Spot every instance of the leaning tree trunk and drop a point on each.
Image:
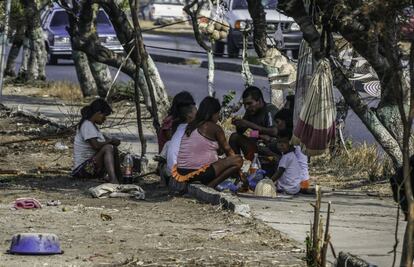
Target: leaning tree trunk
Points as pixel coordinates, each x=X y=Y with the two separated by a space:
x=100 y=72
x=102 y=77
x=17 y=43
x=83 y=71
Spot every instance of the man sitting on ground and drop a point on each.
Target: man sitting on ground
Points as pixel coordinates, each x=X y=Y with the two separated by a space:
x=259 y=118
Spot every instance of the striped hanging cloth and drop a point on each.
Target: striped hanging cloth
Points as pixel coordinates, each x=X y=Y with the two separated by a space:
x=315 y=129
x=305 y=69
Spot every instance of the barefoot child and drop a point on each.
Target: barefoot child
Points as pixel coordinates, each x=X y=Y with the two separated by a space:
x=94 y=153
x=288 y=174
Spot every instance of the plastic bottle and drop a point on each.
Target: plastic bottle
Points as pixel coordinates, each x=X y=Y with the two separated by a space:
x=128 y=164
x=255 y=165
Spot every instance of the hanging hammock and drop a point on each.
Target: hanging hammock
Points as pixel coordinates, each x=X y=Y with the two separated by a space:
x=315 y=128
x=306 y=66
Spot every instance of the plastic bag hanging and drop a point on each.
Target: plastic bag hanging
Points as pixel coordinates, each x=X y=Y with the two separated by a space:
x=315 y=129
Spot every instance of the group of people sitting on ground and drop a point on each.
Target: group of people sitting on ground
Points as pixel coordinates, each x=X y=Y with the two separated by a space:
x=197 y=144
x=194 y=146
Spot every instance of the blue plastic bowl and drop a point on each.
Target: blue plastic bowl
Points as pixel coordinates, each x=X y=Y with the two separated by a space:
x=35 y=244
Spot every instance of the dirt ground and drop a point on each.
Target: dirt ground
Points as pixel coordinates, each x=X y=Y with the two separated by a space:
x=160 y=231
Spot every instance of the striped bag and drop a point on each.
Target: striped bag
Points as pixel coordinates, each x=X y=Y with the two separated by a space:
x=315 y=128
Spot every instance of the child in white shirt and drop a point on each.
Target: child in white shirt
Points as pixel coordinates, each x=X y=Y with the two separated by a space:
x=303 y=164
x=288 y=174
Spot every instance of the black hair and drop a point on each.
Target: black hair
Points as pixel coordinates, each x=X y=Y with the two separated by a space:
x=183 y=112
x=254 y=93
x=285 y=115
x=208 y=107
x=284 y=134
x=183 y=98
x=98 y=105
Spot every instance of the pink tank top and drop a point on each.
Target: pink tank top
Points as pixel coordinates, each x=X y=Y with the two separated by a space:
x=196 y=151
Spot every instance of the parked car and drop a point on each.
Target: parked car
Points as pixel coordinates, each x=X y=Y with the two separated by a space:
x=237 y=17
x=163 y=11
x=54 y=23
x=407 y=24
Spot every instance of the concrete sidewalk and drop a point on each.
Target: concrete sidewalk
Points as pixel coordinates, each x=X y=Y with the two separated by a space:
x=361 y=225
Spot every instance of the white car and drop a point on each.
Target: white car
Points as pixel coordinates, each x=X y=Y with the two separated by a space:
x=237 y=16
x=164 y=11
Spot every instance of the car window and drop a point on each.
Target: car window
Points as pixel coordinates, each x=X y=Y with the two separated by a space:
x=242 y=4
x=168 y=2
x=102 y=18
x=60 y=18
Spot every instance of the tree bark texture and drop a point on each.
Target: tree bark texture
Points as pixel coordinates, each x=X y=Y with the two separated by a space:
x=25 y=59
x=17 y=43
x=37 y=59
x=193 y=9
x=102 y=77
x=84 y=74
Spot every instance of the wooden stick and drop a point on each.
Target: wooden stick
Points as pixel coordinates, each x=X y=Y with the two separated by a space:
x=327 y=237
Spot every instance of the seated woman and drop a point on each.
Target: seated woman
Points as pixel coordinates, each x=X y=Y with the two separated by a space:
x=94 y=153
x=181 y=99
x=198 y=158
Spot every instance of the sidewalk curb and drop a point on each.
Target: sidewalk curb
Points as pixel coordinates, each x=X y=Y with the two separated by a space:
x=209 y=195
x=173 y=59
x=224 y=66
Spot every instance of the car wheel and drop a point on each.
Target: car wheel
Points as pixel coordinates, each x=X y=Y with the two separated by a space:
x=232 y=50
x=219 y=49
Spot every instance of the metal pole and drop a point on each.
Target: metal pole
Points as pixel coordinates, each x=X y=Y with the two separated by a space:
x=3 y=47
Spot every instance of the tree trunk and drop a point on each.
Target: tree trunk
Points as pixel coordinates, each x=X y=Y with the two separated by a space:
x=18 y=39
x=25 y=59
x=102 y=77
x=40 y=52
x=160 y=91
x=37 y=58
x=83 y=71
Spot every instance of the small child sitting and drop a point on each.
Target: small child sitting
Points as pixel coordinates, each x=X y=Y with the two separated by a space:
x=288 y=174
x=304 y=171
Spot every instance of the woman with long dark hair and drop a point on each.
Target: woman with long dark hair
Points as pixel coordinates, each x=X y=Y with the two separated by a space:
x=170 y=123
x=94 y=153
x=198 y=158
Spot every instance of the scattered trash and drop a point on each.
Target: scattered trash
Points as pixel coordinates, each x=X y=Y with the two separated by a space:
x=219 y=234
x=27 y=203
x=64 y=209
x=117 y=190
x=61 y=146
x=227 y=185
x=53 y=203
x=35 y=244
x=106 y=217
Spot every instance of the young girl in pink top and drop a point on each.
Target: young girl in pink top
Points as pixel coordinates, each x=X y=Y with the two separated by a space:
x=198 y=157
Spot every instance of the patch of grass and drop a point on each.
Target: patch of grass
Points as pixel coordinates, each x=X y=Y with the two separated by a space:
x=63 y=90
x=363 y=162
